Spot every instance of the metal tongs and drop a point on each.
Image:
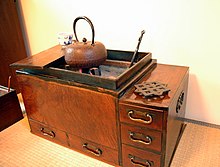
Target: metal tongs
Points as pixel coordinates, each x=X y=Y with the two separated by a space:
x=137 y=48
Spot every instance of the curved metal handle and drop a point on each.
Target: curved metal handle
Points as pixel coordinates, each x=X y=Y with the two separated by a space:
x=148 y=138
x=96 y=152
x=47 y=133
x=90 y=23
x=145 y=163
x=148 y=116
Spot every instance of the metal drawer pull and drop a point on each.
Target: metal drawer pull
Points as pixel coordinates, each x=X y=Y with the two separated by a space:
x=147 y=142
x=49 y=133
x=148 y=116
x=96 y=152
x=141 y=162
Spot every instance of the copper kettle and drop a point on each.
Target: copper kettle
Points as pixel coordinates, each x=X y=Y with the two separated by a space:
x=85 y=54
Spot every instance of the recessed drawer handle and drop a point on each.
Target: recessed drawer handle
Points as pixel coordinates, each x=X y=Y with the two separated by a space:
x=148 y=117
x=49 y=133
x=141 y=162
x=96 y=152
x=147 y=142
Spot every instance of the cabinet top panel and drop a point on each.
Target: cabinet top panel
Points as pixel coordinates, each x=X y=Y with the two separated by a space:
x=40 y=60
x=170 y=75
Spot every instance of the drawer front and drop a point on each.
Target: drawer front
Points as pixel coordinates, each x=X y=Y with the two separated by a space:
x=133 y=157
x=48 y=133
x=94 y=150
x=140 y=137
x=141 y=116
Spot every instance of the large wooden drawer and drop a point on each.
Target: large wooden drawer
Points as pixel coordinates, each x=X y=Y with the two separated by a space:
x=140 y=116
x=94 y=150
x=133 y=157
x=141 y=137
x=48 y=133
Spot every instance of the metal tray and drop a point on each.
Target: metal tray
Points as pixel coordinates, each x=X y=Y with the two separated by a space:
x=115 y=70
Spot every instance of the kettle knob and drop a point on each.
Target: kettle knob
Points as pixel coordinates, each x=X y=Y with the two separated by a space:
x=84 y=40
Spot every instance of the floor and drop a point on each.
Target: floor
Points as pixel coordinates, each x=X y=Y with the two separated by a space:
x=199 y=146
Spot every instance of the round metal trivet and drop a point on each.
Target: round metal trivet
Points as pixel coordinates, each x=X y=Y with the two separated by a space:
x=151 y=89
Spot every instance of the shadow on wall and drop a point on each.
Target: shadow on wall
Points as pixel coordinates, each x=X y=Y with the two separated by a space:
x=196 y=108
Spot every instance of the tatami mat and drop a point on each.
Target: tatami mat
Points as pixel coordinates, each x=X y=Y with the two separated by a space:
x=199 y=146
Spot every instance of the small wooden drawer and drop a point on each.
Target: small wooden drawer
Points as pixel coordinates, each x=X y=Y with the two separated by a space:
x=140 y=137
x=133 y=157
x=141 y=116
x=94 y=150
x=48 y=133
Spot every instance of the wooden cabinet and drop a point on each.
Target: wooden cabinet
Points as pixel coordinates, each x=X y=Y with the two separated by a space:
x=82 y=112
x=11 y=44
x=119 y=126
x=151 y=128
x=84 y=116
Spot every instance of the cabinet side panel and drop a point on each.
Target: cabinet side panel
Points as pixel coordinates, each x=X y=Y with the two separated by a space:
x=175 y=123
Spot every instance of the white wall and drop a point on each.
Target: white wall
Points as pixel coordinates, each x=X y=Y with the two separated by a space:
x=180 y=32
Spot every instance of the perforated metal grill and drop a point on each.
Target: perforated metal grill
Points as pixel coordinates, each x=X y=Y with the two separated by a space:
x=151 y=89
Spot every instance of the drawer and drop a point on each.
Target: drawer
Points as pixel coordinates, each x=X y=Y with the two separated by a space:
x=133 y=157
x=94 y=150
x=141 y=137
x=48 y=133
x=141 y=116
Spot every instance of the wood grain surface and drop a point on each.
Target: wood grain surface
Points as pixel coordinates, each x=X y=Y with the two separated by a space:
x=11 y=41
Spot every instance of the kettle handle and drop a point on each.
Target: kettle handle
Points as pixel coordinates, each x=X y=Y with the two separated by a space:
x=90 y=23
